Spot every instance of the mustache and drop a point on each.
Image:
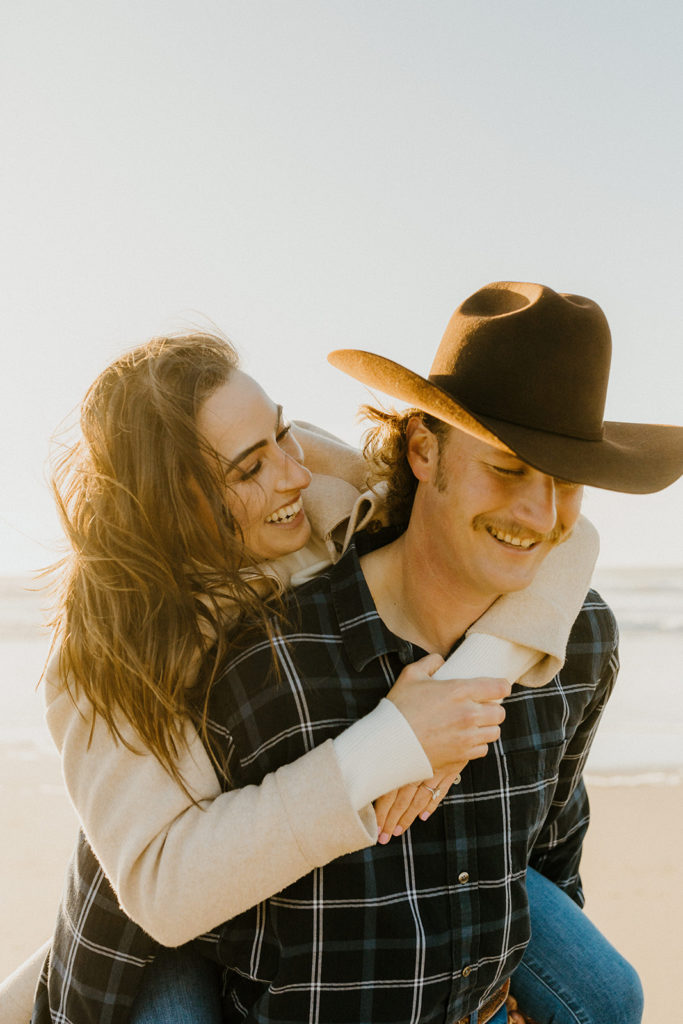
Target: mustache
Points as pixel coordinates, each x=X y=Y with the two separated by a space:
x=557 y=535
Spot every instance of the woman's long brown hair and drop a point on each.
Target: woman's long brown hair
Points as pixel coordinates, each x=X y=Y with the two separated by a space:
x=150 y=586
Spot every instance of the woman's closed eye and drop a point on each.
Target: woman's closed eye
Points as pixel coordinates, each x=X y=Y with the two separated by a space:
x=255 y=469
x=249 y=474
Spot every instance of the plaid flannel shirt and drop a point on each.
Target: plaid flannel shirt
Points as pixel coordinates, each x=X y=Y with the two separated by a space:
x=95 y=965
x=390 y=934
x=426 y=928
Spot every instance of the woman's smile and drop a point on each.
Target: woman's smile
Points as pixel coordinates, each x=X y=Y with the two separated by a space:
x=287 y=514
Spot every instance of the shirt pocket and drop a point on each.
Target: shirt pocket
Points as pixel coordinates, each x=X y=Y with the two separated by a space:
x=531 y=776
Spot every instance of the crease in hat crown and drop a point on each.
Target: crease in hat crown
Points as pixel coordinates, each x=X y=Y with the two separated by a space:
x=555 y=380
x=526 y=368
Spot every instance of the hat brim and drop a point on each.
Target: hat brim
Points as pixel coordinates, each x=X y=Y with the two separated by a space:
x=399 y=382
x=636 y=458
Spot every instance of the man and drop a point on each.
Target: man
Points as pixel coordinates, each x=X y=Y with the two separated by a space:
x=489 y=471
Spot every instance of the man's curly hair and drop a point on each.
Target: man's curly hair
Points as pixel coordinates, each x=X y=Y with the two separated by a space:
x=385 y=447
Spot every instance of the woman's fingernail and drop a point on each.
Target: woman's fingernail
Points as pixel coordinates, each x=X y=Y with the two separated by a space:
x=384 y=838
x=424 y=815
x=398 y=830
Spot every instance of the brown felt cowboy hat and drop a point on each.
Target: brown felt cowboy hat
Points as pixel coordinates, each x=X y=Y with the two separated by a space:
x=526 y=368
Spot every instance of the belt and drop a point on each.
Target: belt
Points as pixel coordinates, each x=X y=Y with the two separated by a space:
x=491 y=1006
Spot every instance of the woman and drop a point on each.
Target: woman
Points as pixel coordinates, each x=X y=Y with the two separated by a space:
x=171 y=517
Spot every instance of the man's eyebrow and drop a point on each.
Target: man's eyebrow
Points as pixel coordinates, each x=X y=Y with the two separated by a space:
x=498 y=453
x=259 y=444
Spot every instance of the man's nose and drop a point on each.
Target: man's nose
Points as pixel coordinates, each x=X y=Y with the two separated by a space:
x=536 y=504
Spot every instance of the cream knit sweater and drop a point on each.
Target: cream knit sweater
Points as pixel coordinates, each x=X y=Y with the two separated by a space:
x=168 y=859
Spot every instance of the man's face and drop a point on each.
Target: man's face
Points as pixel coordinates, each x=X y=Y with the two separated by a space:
x=490 y=518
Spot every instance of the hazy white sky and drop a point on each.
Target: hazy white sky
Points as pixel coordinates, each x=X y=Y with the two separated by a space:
x=309 y=175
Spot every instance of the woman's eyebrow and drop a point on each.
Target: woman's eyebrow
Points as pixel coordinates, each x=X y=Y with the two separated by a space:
x=259 y=444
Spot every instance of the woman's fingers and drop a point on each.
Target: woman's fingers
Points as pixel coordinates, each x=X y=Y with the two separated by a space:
x=393 y=806
x=398 y=810
x=430 y=794
x=382 y=807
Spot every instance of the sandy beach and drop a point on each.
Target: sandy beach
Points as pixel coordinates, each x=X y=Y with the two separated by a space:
x=631 y=867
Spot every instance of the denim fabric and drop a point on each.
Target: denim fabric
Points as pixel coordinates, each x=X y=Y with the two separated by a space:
x=179 y=987
x=570 y=974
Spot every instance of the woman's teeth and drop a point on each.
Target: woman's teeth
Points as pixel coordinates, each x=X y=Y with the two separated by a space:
x=286 y=513
x=517 y=542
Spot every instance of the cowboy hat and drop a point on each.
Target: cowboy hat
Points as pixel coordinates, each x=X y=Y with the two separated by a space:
x=525 y=368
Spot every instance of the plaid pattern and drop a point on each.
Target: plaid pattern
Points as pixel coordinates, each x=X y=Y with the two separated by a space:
x=426 y=928
x=399 y=927
x=95 y=966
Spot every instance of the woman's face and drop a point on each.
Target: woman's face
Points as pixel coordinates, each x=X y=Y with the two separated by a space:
x=264 y=475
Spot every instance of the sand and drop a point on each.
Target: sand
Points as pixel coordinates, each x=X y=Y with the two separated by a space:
x=632 y=873
x=633 y=882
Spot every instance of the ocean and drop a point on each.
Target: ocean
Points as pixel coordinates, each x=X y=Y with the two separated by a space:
x=639 y=740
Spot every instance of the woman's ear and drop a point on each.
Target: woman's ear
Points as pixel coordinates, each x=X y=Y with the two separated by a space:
x=422 y=449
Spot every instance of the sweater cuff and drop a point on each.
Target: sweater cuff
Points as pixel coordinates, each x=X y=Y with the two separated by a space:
x=483 y=655
x=379 y=753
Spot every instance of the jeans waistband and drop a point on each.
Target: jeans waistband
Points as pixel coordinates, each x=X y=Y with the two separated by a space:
x=490 y=1007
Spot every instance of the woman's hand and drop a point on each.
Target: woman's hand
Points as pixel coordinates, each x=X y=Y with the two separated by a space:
x=396 y=811
x=453 y=719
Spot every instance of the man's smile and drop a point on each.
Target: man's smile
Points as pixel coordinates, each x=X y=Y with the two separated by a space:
x=512 y=540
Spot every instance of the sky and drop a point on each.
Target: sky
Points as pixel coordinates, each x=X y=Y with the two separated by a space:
x=339 y=173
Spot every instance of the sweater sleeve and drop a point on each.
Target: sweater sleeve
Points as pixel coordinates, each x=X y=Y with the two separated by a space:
x=379 y=753
x=172 y=863
x=329 y=455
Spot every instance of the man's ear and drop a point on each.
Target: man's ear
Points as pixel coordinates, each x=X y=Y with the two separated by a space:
x=422 y=449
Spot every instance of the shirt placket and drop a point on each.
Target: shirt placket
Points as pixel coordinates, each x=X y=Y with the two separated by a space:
x=463 y=897
x=461 y=878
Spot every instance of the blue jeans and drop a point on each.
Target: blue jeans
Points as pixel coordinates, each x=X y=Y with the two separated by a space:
x=570 y=974
x=180 y=987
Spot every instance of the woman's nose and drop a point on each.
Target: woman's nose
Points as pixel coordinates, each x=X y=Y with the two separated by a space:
x=295 y=476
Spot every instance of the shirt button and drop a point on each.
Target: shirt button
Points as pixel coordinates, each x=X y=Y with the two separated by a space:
x=405 y=654
x=466 y=971
x=457 y=780
x=463 y=877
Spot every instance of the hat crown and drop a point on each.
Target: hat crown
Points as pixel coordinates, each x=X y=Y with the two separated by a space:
x=528 y=355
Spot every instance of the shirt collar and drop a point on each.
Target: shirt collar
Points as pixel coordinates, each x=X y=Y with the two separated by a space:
x=364 y=635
